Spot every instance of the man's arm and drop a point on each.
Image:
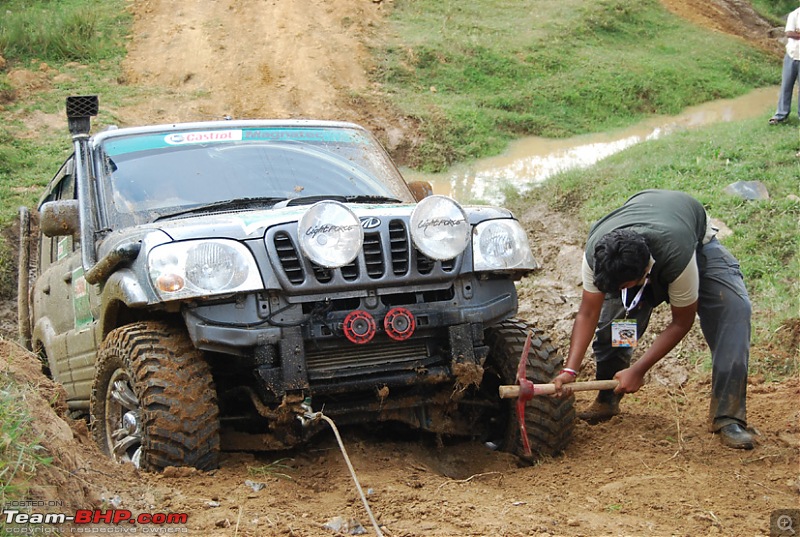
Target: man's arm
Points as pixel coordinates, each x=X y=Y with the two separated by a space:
x=582 y=333
x=632 y=378
x=793 y=34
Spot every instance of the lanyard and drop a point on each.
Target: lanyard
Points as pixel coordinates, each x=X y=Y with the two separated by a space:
x=636 y=299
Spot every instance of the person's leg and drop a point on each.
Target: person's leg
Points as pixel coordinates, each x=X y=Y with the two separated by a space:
x=788 y=78
x=724 y=309
x=609 y=360
x=796 y=78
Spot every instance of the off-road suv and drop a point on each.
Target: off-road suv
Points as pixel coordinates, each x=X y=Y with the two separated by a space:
x=202 y=286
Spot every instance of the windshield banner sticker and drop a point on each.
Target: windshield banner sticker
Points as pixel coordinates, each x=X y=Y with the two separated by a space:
x=145 y=142
x=180 y=138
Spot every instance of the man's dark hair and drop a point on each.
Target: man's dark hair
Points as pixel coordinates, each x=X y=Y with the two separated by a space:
x=619 y=256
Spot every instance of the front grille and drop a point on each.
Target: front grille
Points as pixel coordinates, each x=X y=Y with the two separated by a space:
x=398 y=241
x=361 y=360
x=373 y=255
x=387 y=256
x=289 y=258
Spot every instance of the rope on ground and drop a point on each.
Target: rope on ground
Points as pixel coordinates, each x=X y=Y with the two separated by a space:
x=320 y=415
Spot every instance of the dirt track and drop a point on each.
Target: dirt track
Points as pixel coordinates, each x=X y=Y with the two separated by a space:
x=654 y=470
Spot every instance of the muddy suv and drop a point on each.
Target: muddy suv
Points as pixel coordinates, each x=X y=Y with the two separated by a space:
x=201 y=286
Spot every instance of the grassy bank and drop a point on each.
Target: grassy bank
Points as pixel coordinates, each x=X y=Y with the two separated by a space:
x=20 y=452
x=478 y=74
x=54 y=49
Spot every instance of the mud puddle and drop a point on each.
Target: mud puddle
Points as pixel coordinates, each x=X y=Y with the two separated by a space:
x=530 y=161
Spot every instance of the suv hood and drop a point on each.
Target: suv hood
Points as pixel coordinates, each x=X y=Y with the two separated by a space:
x=253 y=224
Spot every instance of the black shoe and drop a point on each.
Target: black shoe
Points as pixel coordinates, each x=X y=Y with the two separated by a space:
x=735 y=436
x=776 y=120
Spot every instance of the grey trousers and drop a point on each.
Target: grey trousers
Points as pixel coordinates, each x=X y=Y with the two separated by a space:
x=789 y=77
x=724 y=310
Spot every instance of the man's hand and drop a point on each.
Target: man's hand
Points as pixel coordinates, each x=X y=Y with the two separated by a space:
x=560 y=382
x=629 y=381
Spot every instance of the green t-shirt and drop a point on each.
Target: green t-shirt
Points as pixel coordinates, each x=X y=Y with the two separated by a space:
x=673 y=225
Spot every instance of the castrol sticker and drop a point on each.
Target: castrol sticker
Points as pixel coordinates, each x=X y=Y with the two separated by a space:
x=200 y=137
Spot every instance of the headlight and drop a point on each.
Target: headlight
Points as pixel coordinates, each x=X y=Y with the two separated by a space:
x=330 y=234
x=501 y=245
x=439 y=227
x=202 y=268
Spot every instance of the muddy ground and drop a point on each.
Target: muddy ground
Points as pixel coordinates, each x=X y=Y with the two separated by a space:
x=653 y=470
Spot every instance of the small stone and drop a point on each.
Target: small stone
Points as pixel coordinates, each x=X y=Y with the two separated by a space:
x=749 y=190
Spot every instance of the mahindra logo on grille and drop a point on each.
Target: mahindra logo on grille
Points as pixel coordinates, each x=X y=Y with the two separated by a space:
x=370 y=222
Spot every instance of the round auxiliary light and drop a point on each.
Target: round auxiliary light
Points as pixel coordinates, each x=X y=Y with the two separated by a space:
x=330 y=234
x=439 y=228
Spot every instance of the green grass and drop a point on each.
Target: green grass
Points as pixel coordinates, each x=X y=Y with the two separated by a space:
x=550 y=68
x=702 y=162
x=20 y=452
x=61 y=31
x=8 y=271
x=775 y=10
x=70 y=47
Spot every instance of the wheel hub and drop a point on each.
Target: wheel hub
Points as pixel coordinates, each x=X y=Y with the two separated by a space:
x=123 y=420
x=130 y=422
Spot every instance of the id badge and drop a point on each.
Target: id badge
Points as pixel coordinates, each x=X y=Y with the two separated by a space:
x=623 y=333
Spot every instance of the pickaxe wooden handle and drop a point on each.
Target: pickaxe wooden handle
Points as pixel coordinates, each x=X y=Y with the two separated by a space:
x=509 y=392
x=525 y=390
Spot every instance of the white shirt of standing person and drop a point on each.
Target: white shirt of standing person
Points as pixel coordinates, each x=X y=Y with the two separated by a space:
x=793 y=25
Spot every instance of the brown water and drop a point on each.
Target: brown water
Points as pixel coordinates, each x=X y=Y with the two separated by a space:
x=530 y=161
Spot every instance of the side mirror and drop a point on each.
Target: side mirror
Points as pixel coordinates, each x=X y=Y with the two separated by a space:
x=420 y=189
x=59 y=218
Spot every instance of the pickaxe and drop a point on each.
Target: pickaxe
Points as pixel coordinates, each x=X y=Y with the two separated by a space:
x=525 y=390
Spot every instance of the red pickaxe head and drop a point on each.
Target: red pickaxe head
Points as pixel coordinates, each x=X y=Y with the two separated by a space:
x=525 y=394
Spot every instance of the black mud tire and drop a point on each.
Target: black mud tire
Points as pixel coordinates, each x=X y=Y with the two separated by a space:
x=152 y=380
x=549 y=421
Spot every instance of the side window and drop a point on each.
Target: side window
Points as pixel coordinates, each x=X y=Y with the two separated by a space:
x=53 y=249
x=65 y=191
x=66 y=188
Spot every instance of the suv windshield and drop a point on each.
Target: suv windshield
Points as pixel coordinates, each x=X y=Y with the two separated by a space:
x=149 y=175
